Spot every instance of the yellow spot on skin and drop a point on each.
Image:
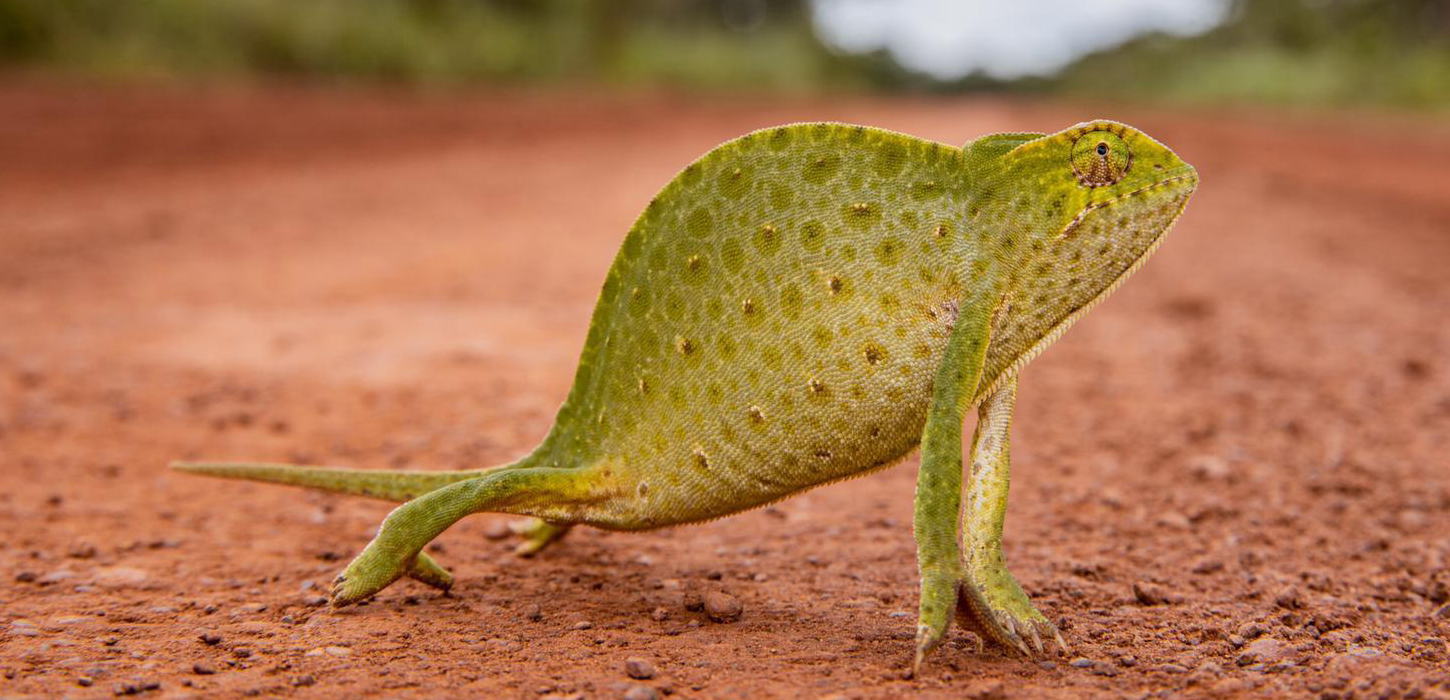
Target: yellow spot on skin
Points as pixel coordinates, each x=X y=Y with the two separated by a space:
x=692 y=263
x=684 y=345
x=757 y=416
x=816 y=387
x=767 y=238
x=643 y=386
x=860 y=208
x=748 y=306
x=834 y=284
x=940 y=231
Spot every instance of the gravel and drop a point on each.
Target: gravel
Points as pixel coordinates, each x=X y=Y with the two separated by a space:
x=722 y=607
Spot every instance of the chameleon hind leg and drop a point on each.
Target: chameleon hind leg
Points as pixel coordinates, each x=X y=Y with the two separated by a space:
x=397 y=550
x=537 y=533
x=428 y=572
x=990 y=595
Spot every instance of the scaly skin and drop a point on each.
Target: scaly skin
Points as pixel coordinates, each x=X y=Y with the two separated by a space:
x=804 y=304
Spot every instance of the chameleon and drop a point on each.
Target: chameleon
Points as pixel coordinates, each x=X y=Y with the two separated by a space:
x=805 y=304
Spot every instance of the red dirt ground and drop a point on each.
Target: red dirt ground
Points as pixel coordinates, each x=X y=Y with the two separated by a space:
x=1231 y=479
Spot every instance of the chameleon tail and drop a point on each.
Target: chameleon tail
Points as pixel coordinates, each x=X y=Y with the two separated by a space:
x=396 y=486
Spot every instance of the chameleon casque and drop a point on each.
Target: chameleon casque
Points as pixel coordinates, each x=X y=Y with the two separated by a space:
x=804 y=304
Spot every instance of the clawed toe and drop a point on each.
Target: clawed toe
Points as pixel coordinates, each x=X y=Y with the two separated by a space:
x=1007 y=616
x=338 y=594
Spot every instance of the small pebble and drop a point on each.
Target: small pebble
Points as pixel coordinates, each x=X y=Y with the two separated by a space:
x=497 y=530
x=659 y=614
x=56 y=577
x=136 y=688
x=639 y=669
x=1153 y=594
x=85 y=681
x=1207 y=566
x=533 y=613
x=304 y=681
x=202 y=669
x=582 y=625
x=82 y=551
x=1264 y=650
x=641 y=692
x=26 y=577
x=693 y=601
x=210 y=638
x=1080 y=662
x=1288 y=598
x=722 y=607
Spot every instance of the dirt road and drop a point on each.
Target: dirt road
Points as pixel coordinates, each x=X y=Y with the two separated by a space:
x=1231 y=479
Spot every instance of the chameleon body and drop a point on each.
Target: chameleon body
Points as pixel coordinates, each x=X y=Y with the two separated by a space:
x=804 y=304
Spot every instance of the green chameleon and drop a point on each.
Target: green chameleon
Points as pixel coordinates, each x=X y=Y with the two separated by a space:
x=805 y=304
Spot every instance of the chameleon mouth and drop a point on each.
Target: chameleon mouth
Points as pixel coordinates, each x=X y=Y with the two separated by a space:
x=1178 y=183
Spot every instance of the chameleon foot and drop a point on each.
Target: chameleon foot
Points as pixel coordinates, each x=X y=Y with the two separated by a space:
x=994 y=600
x=938 y=600
x=372 y=571
x=427 y=572
x=537 y=534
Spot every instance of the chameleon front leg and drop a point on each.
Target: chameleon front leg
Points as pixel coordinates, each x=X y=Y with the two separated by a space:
x=939 y=481
x=989 y=592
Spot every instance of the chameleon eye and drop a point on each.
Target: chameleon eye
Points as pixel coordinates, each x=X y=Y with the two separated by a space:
x=1100 y=158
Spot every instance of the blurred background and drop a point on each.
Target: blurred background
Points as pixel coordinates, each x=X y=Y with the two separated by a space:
x=1393 y=53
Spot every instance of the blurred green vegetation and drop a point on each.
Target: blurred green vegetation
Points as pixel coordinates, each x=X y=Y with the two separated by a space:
x=1312 y=52
x=705 y=44
x=1304 y=52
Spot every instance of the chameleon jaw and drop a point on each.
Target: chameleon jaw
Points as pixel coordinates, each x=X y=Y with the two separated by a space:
x=1072 y=226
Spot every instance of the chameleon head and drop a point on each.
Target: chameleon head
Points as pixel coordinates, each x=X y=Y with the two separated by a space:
x=1118 y=185
x=1110 y=193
